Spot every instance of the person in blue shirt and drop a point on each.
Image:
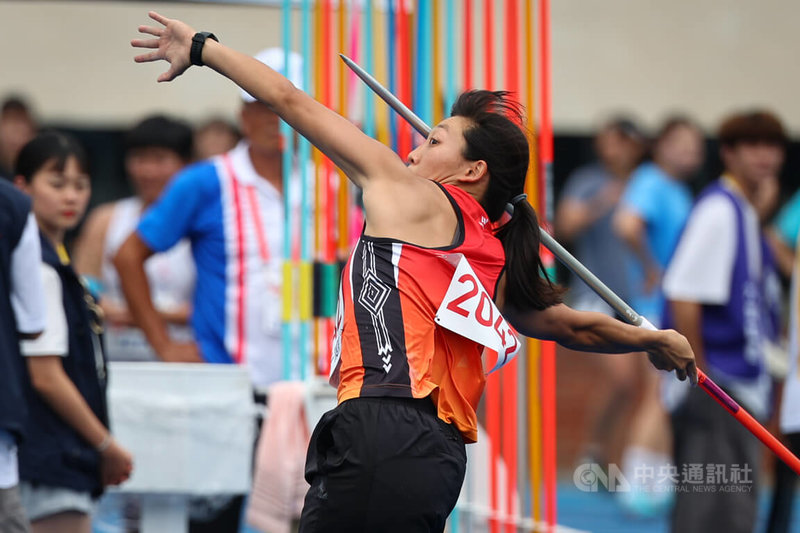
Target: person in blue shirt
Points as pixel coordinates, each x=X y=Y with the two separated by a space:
x=649 y=219
x=230 y=208
x=654 y=209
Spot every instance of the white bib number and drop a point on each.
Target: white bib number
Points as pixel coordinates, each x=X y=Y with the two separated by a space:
x=467 y=309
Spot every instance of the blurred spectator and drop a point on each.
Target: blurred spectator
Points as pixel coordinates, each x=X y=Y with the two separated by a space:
x=22 y=315
x=584 y=213
x=231 y=210
x=17 y=127
x=583 y=219
x=783 y=235
x=156 y=149
x=214 y=137
x=68 y=455
x=780 y=517
x=654 y=209
x=716 y=290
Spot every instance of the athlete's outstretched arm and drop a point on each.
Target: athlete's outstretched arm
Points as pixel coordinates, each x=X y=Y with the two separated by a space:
x=359 y=156
x=596 y=332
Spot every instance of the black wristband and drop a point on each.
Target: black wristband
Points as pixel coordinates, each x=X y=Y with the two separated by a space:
x=198 y=41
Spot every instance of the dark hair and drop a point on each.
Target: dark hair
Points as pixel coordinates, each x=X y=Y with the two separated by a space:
x=671 y=124
x=48 y=146
x=495 y=135
x=627 y=127
x=161 y=131
x=752 y=127
x=15 y=104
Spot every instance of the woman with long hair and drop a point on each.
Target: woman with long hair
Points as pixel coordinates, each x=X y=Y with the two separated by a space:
x=434 y=266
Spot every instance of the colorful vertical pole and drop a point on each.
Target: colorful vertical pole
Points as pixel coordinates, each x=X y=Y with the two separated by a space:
x=488 y=44
x=509 y=393
x=468 y=79
x=548 y=348
x=287 y=139
x=368 y=38
x=533 y=346
x=436 y=92
x=319 y=173
x=380 y=42
x=493 y=387
x=450 y=55
x=533 y=352
x=306 y=270
x=403 y=77
x=328 y=267
x=342 y=185
x=391 y=63
x=425 y=86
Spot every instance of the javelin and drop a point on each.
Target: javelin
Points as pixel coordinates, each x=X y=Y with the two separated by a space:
x=705 y=382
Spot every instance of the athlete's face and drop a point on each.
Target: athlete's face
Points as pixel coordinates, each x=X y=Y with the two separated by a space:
x=440 y=158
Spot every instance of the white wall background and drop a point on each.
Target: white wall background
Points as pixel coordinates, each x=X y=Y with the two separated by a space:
x=649 y=57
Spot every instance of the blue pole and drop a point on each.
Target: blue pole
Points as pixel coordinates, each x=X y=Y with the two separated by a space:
x=286 y=164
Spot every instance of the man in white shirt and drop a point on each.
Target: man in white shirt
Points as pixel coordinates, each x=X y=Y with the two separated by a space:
x=718 y=288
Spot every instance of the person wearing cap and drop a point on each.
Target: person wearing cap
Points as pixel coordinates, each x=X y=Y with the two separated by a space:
x=156 y=149
x=230 y=208
x=583 y=220
x=652 y=212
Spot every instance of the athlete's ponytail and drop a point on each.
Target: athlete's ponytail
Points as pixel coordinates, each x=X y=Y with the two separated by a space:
x=527 y=284
x=496 y=137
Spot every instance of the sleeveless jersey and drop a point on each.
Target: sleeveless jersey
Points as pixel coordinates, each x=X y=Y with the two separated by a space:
x=387 y=342
x=172 y=279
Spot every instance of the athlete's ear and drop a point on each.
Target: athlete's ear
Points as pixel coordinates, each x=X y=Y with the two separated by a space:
x=476 y=171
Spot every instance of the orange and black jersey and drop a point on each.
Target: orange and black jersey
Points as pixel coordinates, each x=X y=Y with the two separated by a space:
x=387 y=342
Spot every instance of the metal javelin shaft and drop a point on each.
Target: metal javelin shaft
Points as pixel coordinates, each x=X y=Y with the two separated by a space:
x=706 y=383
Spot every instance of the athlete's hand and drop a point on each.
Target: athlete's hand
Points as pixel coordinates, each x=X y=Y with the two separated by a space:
x=173 y=44
x=672 y=351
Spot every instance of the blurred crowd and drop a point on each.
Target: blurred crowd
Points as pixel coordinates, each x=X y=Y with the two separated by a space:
x=717 y=266
x=170 y=273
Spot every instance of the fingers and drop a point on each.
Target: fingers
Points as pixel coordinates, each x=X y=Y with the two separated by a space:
x=691 y=371
x=158 y=18
x=150 y=30
x=146 y=58
x=681 y=373
x=144 y=43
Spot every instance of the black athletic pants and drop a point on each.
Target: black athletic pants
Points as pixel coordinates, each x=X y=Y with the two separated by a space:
x=382 y=464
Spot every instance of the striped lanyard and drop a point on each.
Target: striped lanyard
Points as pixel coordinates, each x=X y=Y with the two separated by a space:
x=270 y=303
x=252 y=199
